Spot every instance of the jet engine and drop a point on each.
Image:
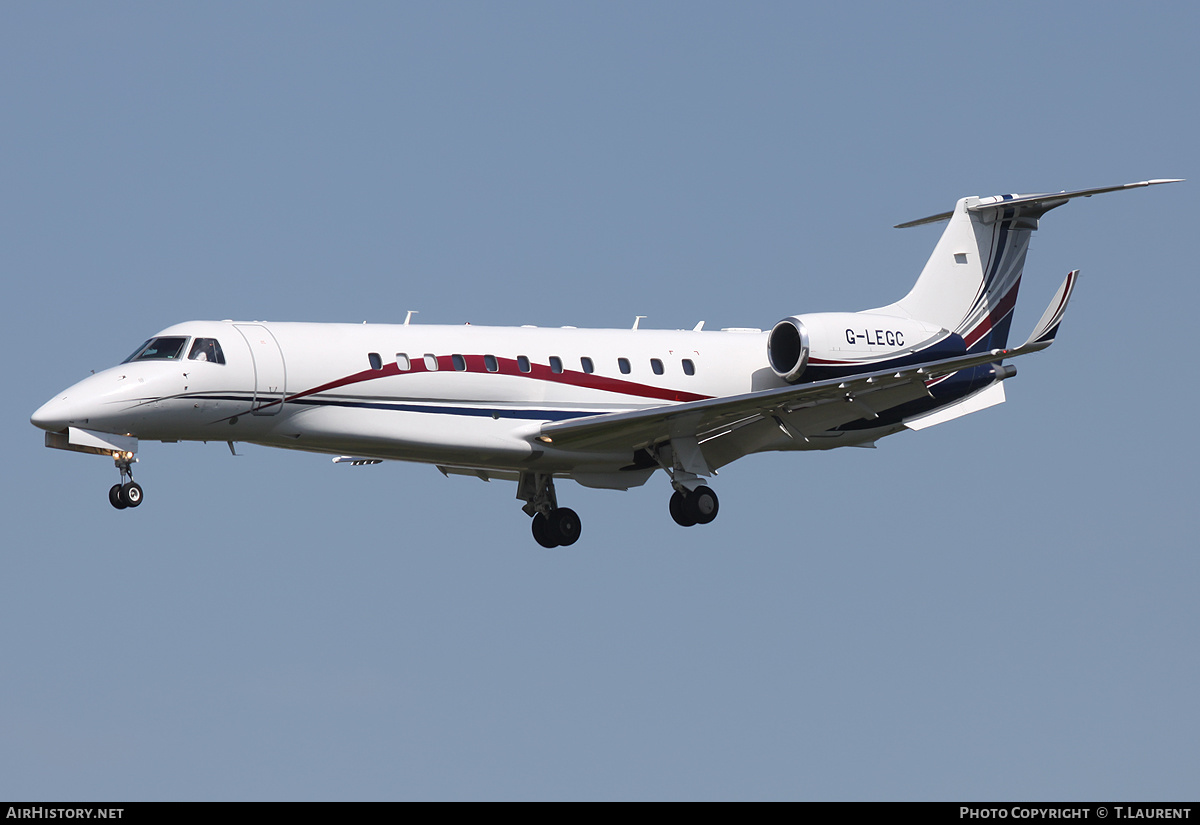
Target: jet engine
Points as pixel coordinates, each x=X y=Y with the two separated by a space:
x=788 y=347
x=849 y=340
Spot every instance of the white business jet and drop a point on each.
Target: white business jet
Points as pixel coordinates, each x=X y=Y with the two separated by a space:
x=605 y=407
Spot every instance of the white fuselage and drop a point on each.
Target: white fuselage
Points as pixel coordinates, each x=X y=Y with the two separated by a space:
x=472 y=396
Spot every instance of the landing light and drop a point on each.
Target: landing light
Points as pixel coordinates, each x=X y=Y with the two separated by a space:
x=545 y=439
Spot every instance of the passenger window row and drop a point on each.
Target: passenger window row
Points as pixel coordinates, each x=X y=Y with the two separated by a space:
x=491 y=364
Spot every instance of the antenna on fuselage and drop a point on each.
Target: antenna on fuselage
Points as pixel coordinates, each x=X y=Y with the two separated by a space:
x=637 y=319
x=409 y=316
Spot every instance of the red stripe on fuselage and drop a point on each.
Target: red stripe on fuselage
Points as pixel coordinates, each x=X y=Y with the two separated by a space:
x=508 y=366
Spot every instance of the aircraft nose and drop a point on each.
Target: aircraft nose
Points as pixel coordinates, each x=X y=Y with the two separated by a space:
x=54 y=415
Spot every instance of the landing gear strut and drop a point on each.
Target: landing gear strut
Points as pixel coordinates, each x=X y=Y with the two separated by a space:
x=128 y=493
x=553 y=526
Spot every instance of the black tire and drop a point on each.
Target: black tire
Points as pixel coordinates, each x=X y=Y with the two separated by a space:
x=115 y=498
x=703 y=504
x=542 y=533
x=131 y=494
x=680 y=511
x=566 y=526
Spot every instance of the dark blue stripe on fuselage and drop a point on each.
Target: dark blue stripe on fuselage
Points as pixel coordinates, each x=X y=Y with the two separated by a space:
x=480 y=412
x=440 y=409
x=948 y=347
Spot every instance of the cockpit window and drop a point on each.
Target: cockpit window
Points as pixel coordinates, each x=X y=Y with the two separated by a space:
x=207 y=349
x=159 y=349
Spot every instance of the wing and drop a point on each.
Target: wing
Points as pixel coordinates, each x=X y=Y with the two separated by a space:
x=810 y=408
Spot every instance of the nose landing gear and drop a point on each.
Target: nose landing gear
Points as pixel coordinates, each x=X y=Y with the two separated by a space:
x=128 y=493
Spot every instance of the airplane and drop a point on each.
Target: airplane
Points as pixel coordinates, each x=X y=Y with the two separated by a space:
x=604 y=407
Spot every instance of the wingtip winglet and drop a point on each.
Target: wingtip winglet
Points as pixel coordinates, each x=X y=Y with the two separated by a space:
x=1047 y=328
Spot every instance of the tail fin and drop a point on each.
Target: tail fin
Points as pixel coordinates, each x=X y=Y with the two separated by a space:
x=969 y=285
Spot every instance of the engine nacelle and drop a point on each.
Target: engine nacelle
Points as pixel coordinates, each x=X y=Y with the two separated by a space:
x=788 y=347
x=849 y=340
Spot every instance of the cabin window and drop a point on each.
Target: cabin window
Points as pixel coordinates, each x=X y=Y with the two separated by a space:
x=587 y=365
x=489 y=363
x=523 y=363
x=159 y=349
x=555 y=364
x=431 y=362
x=376 y=361
x=623 y=364
x=402 y=363
x=460 y=363
x=656 y=365
x=688 y=367
x=206 y=349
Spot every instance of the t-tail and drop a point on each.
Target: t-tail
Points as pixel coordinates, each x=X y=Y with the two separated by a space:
x=969 y=285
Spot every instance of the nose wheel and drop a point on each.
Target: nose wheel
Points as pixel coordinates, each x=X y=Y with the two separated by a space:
x=125 y=495
x=128 y=493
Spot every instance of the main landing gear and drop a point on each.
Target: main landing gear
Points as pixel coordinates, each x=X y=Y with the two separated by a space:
x=693 y=502
x=128 y=493
x=553 y=526
x=691 y=507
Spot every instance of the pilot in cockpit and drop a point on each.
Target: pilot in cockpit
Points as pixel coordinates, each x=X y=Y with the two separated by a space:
x=206 y=349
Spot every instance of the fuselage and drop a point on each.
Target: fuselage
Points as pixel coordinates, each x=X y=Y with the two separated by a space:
x=458 y=395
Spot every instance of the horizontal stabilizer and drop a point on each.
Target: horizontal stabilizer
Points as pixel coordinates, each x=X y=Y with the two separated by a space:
x=1035 y=205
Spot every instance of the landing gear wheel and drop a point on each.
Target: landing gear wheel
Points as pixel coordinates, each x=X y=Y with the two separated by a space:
x=680 y=511
x=131 y=494
x=565 y=526
x=703 y=504
x=115 y=498
x=542 y=533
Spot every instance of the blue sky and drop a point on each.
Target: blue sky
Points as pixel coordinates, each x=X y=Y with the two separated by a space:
x=1002 y=607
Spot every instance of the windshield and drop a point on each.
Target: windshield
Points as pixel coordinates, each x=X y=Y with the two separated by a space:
x=159 y=349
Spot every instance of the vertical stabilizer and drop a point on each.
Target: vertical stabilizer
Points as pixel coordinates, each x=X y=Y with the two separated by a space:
x=969 y=284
